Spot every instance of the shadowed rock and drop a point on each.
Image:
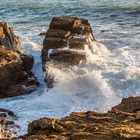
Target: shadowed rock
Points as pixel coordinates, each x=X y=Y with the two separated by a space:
x=8 y=128
x=66 y=32
x=16 y=77
x=66 y=43
x=67 y=56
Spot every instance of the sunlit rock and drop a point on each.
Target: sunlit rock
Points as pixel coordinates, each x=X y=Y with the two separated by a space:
x=8 y=127
x=121 y=123
x=66 y=32
x=16 y=77
x=69 y=41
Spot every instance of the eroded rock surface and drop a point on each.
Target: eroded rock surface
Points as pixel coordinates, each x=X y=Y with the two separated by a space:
x=66 y=34
x=8 y=38
x=8 y=127
x=121 y=123
x=68 y=41
x=16 y=77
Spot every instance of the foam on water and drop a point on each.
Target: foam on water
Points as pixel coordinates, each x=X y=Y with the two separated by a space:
x=97 y=85
x=110 y=75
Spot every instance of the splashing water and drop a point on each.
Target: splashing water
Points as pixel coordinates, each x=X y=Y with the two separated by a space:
x=98 y=84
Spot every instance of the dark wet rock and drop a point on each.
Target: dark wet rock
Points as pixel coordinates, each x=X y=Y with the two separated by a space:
x=121 y=123
x=10 y=113
x=66 y=56
x=42 y=34
x=27 y=62
x=16 y=77
x=130 y=104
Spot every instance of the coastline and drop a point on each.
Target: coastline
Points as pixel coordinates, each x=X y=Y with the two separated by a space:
x=61 y=80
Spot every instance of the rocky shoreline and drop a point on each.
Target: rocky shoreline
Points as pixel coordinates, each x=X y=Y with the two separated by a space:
x=8 y=127
x=121 y=123
x=16 y=77
x=64 y=44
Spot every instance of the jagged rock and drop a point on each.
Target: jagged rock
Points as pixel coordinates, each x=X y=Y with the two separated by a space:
x=16 y=77
x=67 y=56
x=27 y=61
x=117 y=124
x=8 y=128
x=66 y=42
x=8 y=38
x=70 y=32
x=129 y=105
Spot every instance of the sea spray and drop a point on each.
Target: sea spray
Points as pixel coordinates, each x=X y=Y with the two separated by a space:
x=95 y=85
x=82 y=85
x=120 y=68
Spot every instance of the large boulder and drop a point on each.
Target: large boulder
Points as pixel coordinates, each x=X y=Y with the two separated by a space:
x=16 y=77
x=121 y=123
x=70 y=33
x=67 y=42
x=8 y=127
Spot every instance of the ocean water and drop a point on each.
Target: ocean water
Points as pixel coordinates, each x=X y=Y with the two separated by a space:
x=96 y=85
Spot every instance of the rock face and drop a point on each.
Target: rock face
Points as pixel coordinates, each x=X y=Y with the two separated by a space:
x=65 y=36
x=8 y=38
x=68 y=41
x=16 y=77
x=121 y=123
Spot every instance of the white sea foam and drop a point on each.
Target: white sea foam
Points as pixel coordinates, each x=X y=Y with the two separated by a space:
x=96 y=85
x=35 y=46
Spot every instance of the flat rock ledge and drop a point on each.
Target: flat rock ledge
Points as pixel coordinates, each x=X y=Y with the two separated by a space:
x=121 y=123
x=16 y=77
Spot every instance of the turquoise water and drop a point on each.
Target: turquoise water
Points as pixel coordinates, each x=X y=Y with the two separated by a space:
x=97 y=85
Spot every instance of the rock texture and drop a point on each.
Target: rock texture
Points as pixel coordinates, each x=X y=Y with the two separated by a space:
x=8 y=128
x=68 y=41
x=16 y=77
x=121 y=123
x=64 y=37
x=8 y=38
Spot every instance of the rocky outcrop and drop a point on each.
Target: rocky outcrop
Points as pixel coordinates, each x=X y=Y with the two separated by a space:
x=8 y=38
x=121 y=123
x=64 y=37
x=68 y=41
x=16 y=77
x=8 y=128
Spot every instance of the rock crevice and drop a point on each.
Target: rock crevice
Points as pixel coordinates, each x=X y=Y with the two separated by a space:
x=121 y=123
x=16 y=77
x=66 y=33
x=68 y=41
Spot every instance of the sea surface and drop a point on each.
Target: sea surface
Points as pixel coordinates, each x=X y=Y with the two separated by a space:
x=95 y=85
